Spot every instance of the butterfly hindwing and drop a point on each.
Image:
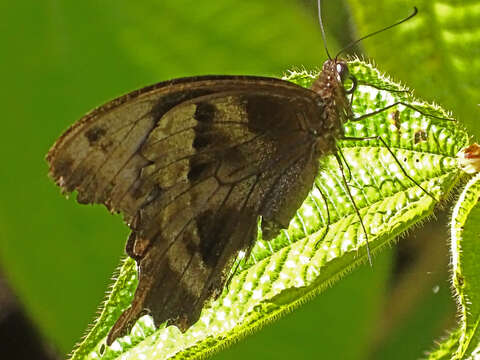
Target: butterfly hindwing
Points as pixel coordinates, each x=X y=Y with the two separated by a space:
x=192 y=165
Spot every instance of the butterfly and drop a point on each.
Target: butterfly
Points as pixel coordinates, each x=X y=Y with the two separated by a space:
x=192 y=164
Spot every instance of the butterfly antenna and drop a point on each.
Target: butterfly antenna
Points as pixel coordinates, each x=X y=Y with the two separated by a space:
x=321 y=28
x=353 y=43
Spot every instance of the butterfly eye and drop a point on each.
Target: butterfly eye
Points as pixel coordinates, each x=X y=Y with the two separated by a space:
x=342 y=70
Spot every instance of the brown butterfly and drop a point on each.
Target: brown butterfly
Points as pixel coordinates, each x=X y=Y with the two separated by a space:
x=191 y=164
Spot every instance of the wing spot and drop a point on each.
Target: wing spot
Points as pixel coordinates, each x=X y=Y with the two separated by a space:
x=196 y=171
x=201 y=140
x=208 y=229
x=94 y=134
x=205 y=112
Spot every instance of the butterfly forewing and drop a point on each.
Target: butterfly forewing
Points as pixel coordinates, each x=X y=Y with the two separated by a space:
x=191 y=164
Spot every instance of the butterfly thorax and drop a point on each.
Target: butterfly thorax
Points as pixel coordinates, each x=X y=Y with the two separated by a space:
x=330 y=86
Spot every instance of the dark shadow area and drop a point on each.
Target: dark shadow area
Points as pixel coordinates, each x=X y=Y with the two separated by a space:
x=19 y=337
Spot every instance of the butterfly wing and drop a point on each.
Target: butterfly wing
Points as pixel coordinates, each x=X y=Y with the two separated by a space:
x=192 y=164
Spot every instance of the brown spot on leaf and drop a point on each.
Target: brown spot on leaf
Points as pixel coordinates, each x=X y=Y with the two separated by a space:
x=420 y=136
x=394 y=118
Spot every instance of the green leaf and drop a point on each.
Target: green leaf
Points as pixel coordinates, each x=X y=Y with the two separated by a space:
x=308 y=257
x=435 y=52
x=464 y=343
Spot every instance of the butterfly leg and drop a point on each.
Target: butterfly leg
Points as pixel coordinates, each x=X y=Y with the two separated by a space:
x=232 y=274
x=396 y=104
x=347 y=187
x=328 y=216
x=238 y=262
x=340 y=152
x=356 y=83
x=384 y=89
x=378 y=137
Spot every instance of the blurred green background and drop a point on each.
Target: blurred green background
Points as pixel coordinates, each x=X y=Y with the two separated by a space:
x=59 y=59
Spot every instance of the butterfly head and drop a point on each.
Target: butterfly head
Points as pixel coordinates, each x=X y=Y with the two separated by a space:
x=338 y=69
x=331 y=82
